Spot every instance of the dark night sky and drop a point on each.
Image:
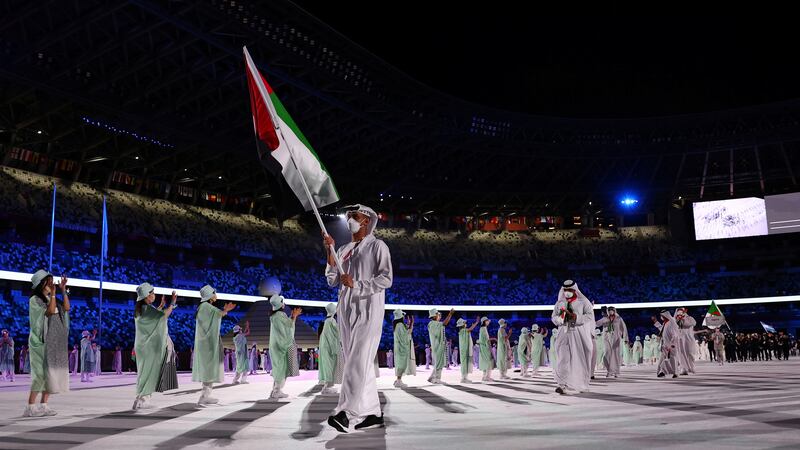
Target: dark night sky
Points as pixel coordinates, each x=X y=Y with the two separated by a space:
x=578 y=66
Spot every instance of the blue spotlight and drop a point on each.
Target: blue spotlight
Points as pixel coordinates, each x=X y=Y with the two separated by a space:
x=629 y=201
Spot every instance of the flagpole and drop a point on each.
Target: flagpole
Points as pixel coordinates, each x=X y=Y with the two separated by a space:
x=103 y=251
x=274 y=116
x=52 y=229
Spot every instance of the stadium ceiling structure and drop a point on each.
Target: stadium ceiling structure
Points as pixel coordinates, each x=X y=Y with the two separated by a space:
x=157 y=90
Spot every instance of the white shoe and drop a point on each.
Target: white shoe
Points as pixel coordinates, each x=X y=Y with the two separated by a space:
x=400 y=384
x=207 y=401
x=245 y=382
x=431 y=379
x=329 y=391
x=145 y=404
x=136 y=404
x=32 y=411
x=466 y=381
x=47 y=411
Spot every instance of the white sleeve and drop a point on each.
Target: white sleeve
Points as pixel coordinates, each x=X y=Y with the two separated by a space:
x=586 y=316
x=601 y=322
x=332 y=273
x=383 y=274
x=556 y=317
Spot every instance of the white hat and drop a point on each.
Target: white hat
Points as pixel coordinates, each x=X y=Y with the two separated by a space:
x=461 y=323
x=638 y=339
x=276 y=301
x=330 y=309
x=524 y=330
x=535 y=327
x=206 y=292
x=433 y=312
x=484 y=319
x=237 y=328
x=85 y=333
x=646 y=337
x=143 y=290
x=398 y=314
x=501 y=322
x=38 y=277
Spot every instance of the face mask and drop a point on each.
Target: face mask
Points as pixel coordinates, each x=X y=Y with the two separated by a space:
x=353 y=225
x=569 y=294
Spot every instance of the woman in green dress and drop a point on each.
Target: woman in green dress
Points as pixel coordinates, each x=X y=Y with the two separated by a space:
x=402 y=346
x=465 y=345
x=502 y=349
x=207 y=366
x=437 y=337
x=329 y=349
x=47 y=343
x=242 y=354
x=537 y=347
x=151 y=343
x=484 y=342
x=281 y=344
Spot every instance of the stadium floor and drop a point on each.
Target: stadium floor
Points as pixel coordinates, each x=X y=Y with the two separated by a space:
x=743 y=405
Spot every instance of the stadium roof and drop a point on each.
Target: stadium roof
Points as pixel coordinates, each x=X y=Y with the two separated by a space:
x=156 y=89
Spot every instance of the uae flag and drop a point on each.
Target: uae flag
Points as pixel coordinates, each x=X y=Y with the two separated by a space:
x=714 y=317
x=285 y=151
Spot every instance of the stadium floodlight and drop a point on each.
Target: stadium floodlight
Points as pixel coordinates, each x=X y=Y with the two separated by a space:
x=629 y=201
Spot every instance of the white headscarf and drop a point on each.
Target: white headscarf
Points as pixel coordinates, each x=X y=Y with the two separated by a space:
x=367 y=211
x=571 y=285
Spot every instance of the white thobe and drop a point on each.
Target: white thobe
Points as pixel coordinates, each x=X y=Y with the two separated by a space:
x=670 y=338
x=686 y=347
x=615 y=332
x=360 y=317
x=574 y=345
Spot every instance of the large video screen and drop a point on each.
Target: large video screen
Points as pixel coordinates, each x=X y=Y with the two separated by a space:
x=743 y=217
x=721 y=219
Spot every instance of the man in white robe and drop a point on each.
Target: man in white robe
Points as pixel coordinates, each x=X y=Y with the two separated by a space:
x=367 y=266
x=615 y=335
x=574 y=317
x=686 y=348
x=670 y=338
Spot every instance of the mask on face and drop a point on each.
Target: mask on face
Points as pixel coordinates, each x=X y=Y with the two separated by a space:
x=353 y=225
x=569 y=294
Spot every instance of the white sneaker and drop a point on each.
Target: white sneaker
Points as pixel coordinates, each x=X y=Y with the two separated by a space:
x=48 y=411
x=466 y=381
x=136 y=404
x=145 y=404
x=32 y=411
x=400 y=384
x=207 y=401
x=245 y=382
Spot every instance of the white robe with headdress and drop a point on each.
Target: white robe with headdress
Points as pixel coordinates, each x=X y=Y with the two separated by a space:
x=670 y=339
x=359 y=313
x=573 y=342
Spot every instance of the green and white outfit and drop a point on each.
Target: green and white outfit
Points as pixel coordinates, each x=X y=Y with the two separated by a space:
x=502 y=350
x=207 y=365
x=242 y=356
x=524 y=351
x=46 y=343
x=281 y=345
x=330 y=348
x=465 y=350
x=537 y=349
x=150 y=346
x=402 y=346
x=436 y=335
x=485 y=363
